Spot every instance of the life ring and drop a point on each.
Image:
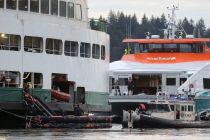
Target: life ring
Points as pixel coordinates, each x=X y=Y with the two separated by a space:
x=191 y=86
x=61 y=96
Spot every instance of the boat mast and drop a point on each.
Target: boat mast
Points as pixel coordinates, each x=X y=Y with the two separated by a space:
x=172 y=22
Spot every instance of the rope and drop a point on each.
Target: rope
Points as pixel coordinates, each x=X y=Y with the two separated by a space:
x=24 y=78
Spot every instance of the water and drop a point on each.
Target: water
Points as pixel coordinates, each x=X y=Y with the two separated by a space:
x=115 y=133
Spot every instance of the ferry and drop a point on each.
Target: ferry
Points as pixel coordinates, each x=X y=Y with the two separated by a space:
x=49 y=45
x=176 y=66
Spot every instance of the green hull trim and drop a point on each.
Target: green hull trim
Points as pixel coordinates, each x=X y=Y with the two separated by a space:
x=16 y=94
x=96 y=98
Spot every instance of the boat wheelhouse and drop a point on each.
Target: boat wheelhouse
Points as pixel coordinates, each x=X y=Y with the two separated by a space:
x=49 y=44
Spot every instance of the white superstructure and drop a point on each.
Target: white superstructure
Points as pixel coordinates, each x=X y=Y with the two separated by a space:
x=49 y=37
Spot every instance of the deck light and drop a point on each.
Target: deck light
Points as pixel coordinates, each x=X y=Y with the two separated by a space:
x=3 y=36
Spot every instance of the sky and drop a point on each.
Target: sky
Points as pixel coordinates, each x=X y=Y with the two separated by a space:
x=192 y=9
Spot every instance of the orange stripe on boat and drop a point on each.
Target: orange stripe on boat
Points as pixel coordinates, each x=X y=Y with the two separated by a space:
x=158 y=58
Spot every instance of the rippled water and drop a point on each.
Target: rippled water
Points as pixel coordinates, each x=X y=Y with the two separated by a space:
x=115 y=133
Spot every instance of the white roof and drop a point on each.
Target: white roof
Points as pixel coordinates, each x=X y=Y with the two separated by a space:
x=135 y=67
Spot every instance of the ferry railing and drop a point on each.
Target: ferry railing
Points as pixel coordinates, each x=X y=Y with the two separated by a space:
x=99 y=25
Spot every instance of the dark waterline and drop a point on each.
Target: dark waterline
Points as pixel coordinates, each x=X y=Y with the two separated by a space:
x=115 y=133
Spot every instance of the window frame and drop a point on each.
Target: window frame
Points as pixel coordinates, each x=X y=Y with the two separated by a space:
x=20 y=7
x=53 y=50
x=45 y=10
x=96 y=51
x=31 y=47
x=85 y=50
x=70 y=45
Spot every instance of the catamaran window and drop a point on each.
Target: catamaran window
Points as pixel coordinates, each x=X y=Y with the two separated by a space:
x=9 y=42
x=62 y=9
x=54 y=46
x=182 y=80
x=33 y=44
x=11 y=4
x=1 y=3
x=70 y=10
x=71 y=48
x=206 y=83
x=103 y=52
x=45 y=6
x=170 y=47
x=171 y=81
x=34 y=80
x=34 y=6
x=78 y=9
x=96 y=51
x=23 y=5
x=85 y=50
x=54 y=7
x=9 y=79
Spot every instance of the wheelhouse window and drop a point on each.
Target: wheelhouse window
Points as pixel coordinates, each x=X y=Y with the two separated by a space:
x=171 y=81
x=9 y=79
x=33 y=44
x=85 y=50
x=1 y=3
x=123 y=81
x=45 y=6
x=23 y=5
x=184 y=48
x=62 y=8
x=206 y=83
x=53 y=46
x=34 y=80
x=96 y=51
x=103 y=52
x=71 y=48
x=9 y=42
x=78 y=9
x=11 y=4
x=54 y=7
x=34 y=6
x=70 y=10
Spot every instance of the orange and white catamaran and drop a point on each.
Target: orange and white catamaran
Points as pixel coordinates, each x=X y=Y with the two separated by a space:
x=173 y=65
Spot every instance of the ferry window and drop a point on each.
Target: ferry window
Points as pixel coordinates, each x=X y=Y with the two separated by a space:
x=182 y=80
x=123 y=81
x=206 y=83
x=54 y=7
x=70 y=10
x=163 y=107
x=33 y=44
x=11 y=4
x=85 y=50
x=78 y=9
x=34 y=80
x=45 y=6
x=171 y=81
x=1 y=3
x=23 y=5
x=96 y=51
x=71 y=48
x=186 y=48
x=9 y=79
x=9 y=42
x=62 y=9
x=103 y=52
x=54 y=46
x=34 y=5
x=190 y=108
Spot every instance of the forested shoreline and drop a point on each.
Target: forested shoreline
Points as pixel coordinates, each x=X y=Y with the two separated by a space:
x=118 y=24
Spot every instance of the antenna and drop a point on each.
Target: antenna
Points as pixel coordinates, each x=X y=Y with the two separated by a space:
x=172 y=22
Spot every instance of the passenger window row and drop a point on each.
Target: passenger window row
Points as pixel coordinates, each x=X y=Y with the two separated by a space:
x=52 y=46
x=52 y=7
